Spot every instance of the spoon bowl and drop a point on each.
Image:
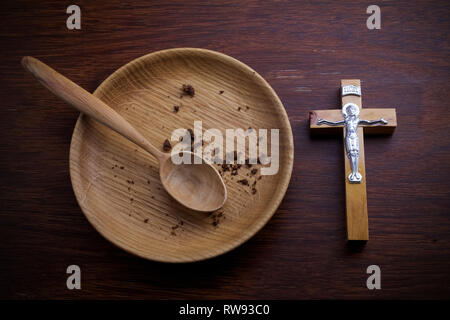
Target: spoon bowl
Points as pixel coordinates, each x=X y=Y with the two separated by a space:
x=197 y=186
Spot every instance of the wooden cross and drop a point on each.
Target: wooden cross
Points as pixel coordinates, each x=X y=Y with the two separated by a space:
x=370 y=121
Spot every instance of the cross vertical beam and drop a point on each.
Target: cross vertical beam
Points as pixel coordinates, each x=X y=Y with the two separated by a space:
x=356 y=194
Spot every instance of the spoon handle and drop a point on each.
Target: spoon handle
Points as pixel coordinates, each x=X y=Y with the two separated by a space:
x=87 y=103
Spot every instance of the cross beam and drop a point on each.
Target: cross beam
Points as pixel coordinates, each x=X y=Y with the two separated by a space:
x=354 y=121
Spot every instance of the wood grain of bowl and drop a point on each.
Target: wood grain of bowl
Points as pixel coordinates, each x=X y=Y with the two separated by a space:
x=117 y=185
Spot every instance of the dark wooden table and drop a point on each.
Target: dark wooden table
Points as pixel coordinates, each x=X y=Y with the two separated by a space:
x=303 y=50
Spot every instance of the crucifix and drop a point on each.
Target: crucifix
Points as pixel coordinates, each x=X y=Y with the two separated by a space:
x=354 y=121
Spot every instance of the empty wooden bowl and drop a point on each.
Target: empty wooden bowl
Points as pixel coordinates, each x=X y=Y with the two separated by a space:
x=117 y=184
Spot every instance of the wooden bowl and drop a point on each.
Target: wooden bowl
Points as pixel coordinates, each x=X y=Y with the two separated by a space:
x=117 y=184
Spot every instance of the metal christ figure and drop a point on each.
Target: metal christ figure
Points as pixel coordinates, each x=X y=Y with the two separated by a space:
x=350 y=111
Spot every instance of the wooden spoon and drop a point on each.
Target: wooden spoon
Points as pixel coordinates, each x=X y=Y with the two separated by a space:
x=197 y=186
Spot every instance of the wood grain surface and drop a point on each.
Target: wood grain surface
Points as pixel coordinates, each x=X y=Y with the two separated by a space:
x=302 y=49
